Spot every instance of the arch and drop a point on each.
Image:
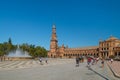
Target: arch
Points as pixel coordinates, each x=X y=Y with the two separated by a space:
x=51 y=55
x=115 y=53
x=76 y=54
x=73 y=54
x=119 y=54
x=97 y=54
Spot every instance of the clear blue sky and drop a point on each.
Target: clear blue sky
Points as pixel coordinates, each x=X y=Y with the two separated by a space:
x=78 y=22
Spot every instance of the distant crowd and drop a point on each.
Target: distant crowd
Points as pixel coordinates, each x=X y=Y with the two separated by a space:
x=91 y=60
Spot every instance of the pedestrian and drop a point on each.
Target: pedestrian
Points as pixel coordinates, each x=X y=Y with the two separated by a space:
x=88 y=61
x=97 y=59
x=111 y=60
x=93 y=61
x=77 y=61
x=102 y=62
x=46 y=60
x=40 y=59
x=80 y=59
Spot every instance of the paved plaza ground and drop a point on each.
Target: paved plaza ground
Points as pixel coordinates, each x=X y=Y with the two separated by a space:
x=115 y=67
x=56 y=69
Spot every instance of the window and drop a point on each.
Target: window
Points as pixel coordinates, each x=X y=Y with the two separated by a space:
x=104 y=48
x=107 y=44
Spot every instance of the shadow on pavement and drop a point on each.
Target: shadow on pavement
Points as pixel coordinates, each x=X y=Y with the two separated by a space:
x=98 y=73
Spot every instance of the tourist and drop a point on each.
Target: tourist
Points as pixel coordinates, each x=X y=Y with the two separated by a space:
x=80 y=59
x=111 y=60
x=77 y=61
x=102 y=62
x=97 y=59
x=93 y=61
x=88 y=61
x=40 y=59
x=46 y=60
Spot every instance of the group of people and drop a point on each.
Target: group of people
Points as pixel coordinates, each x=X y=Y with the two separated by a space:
x=94 y=60
x=90 y=60
x=79 y=60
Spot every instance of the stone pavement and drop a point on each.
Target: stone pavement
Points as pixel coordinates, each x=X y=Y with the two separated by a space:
x=115 y=67
x=56 y=69
x=10 y=65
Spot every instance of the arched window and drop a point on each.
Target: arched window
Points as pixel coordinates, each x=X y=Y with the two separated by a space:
x=115 y=53
x=97 y=54
x=119 y=53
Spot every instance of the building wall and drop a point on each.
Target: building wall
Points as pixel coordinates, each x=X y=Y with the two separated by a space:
x=71 y=53
x=108 y=47
x=105 y=48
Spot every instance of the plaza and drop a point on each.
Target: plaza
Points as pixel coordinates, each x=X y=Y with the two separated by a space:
x=58 y=39
x=56 y=69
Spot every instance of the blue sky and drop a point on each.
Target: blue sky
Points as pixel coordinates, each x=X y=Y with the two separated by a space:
x=78 y=22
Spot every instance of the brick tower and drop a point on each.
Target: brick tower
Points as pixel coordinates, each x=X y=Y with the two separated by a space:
x=53 y=43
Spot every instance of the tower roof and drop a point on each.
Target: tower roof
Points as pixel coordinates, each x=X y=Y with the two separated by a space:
x=53 y=26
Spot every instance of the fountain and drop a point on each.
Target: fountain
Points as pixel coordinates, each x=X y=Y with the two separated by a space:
x=18 y=55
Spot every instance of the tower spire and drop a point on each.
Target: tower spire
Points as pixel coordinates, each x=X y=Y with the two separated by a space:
x=54 y=37
x=53 y=26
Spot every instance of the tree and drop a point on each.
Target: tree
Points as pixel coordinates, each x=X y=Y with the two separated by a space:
x=10 y=41
x=1 y=50
x=34 y=51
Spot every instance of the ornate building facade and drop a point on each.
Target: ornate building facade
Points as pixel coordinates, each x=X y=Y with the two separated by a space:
x=106 y=48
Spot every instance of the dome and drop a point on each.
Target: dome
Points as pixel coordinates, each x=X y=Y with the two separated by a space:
x=112 y=38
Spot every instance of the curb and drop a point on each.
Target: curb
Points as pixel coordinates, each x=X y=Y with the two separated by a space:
x=113 y=71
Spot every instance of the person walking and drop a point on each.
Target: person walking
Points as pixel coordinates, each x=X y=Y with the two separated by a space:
x=46 y=60
x=88 y=61
x=97 y=59
x=102 y=62
x=77 y=61
x=93 y=61
x=111 y=60
x=40 y=59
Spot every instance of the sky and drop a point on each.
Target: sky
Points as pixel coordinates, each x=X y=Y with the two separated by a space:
x=79 y=23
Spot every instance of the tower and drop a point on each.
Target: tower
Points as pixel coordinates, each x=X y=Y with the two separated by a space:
x=53 y=42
